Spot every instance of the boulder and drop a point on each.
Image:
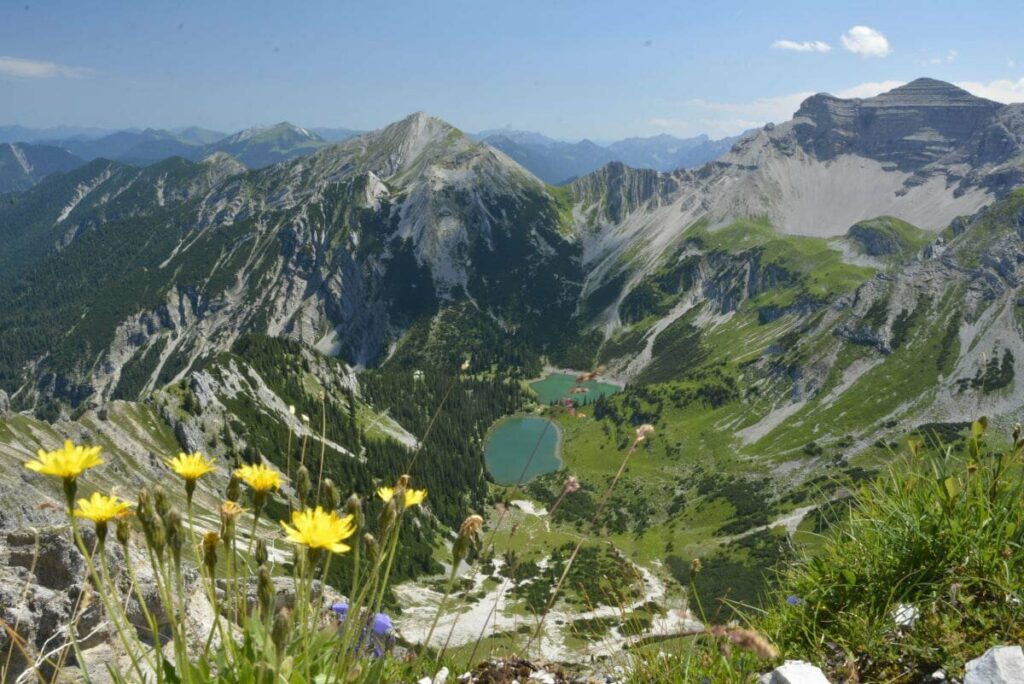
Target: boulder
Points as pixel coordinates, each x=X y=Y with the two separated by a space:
x=794 y=672
x=999 y=665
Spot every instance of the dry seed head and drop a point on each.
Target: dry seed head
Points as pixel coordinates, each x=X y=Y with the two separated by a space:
x=471 y=526
x=752 y=641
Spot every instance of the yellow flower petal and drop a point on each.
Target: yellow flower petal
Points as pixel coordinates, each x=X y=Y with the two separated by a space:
x=68 y=462
x=318 y=529
x=100 y=508
x=414 y=497
x=191 y=467
x=259 y=477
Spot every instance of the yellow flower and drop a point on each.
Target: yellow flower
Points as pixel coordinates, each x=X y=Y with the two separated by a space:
x=100 y=508
x=318 y=529
x=190 y=467
x=68 y=462
x=259 y=477
x=413 y=497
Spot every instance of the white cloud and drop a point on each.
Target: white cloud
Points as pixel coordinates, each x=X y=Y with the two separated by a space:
x=999 y=90
x=866 y=42
x=805 y=46
x=719 y=119
x=34 y=68
x=948 y=58
x=869 y=89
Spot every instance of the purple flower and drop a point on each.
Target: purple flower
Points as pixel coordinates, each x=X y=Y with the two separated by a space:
x=341 y=609
x=382 y=624
x=793 y=600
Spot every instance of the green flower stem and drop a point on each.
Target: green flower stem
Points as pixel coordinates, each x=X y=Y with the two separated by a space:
x=440 y=606
x=101 y=589
x=153 y=625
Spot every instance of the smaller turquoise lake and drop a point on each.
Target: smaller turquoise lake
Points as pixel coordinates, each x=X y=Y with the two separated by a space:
x=511 y=443
x=558 y=385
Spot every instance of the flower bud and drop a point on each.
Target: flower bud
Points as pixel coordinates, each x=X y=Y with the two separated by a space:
x=123 y=531
x=175 y=534
x=280 y=630
x=302 y=485
x=389 y=513
x=101 y=533
x=156 y=537
x=372 y=548
x=161 y=503
x=354 y=507
x=261 y=552
x=265 y=593
x=210 y=542
x=234 y=490
x=332 y=497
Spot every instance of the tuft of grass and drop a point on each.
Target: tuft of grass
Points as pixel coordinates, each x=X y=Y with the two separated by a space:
x=941 y=532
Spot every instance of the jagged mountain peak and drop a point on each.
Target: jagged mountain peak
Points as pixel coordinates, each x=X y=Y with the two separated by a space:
x=418 y=146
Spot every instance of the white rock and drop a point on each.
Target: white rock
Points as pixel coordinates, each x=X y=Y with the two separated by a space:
x=906 y=615
x=999 y=665
x=542 y=677
x=794 y=672
x=441 y=677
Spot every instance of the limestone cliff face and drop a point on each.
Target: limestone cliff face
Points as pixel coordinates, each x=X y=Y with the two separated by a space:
x=910 y=127
x=926 y=153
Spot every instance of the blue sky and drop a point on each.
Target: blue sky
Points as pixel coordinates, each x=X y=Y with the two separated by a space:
x=568 y=69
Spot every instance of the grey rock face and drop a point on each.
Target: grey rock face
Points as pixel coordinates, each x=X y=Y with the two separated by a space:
x=910 y=126
x=999 y=665
x=5 y=404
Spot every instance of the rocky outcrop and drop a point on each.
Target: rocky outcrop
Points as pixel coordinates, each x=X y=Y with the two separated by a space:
x=5 y=404
x=794 y=672
x=911 y=126
x=999 y=665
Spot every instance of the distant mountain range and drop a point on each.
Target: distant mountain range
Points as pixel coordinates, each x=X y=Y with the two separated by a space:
x=553 y=161
x=557 y=161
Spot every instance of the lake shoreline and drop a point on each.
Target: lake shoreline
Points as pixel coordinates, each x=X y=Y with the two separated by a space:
x=559 y=444
x=555 y=370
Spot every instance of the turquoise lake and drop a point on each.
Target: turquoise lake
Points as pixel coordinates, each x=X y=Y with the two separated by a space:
x=557 y=385
x=511 y=443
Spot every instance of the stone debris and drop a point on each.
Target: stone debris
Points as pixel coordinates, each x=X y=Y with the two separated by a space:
x=794 y=672
x=999 y=665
